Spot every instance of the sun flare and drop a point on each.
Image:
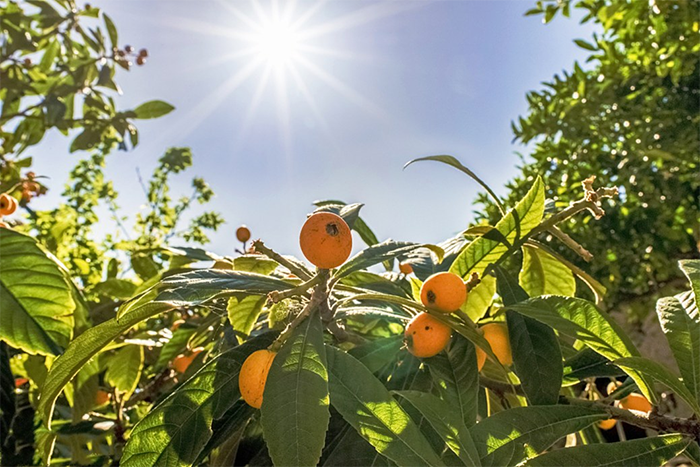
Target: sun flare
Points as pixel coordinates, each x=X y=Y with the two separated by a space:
x=277 y=42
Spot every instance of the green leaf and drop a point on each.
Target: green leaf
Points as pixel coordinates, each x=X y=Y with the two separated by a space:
x=295 y=411
x=153 y=109
x=585 y=45
x=446 y=423
x=200 y=286
x=517 y=223
x=543 y=274
x=8 y=405
x=35 y=297
x=380 y=252
x=536 y=354
x=639 y=452
x=378 y=353
x=118 y=288
x=111 y=30
x=243 y=314
x=480 y=298
x=83 y=348
x=457 y=378
x=453 y=162
x=588 y=364
x=124 y=369
x=179 y=428
x=50 y=54
x=227 y=434
x=506 y=437
x=365 y=404
x=258 y=264
x=661 y=374
x=680 y=320
x=175 y=345
x=691 y=268
x=349 y=449
x=579 y=319
x=85 y=140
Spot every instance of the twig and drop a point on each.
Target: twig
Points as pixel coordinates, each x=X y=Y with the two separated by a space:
x=260 y=247
x=319 y=295
x=571 y=243
x=276 y=296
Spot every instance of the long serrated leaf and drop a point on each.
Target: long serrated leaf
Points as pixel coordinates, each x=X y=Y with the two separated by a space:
x=295 y=411
x=448 y=425
x=124 y=369
x=381 y=252
x=178 y=429
x=506 y=437
x=661 y=374
x=457 y=378
x=536 y=353
x=517 y=223
x=35 y=297
x=452 y=161
x=376 y=354
x=636 y=453
x=480 y=298
x=691 y=268
x=197 y=287
x=83 y=348
x=7 y=390
x=580 y=319
x=365 y=404
x=243 y=313
x=680 y=321
x=542 y=274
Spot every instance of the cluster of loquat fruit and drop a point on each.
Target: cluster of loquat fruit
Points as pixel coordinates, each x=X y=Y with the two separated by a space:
x=8 y=205
x=326 y=241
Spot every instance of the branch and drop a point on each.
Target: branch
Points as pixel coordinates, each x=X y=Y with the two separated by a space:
x=260 y=247
x=571 y=243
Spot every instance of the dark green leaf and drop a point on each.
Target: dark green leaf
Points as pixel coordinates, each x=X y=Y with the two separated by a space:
x=457 y=378
x=179 y=428
x=536 y=354
x=506 y=437
x=295 y=411
x=661 y=374
x=365 y=404
x=111 y=30
x=446 y=423
x=376 y=354
x=380 y=252
x=680 y=320
x=124 y=369
x=637 y=453
x=585 y=45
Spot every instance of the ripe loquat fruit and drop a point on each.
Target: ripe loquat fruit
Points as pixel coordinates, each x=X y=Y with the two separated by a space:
x=8 y=204
x=325 y=240
x=636 y=402
x=607 y=424
x=101 y=397
x=253 y=375
x=182 y=361
x=497 y=336
x=243 y=234
x=443 y=291
x=425 y=336
x=405 y=268
x=19 y=382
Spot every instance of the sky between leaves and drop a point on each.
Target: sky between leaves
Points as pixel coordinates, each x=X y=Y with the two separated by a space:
x=370 y=86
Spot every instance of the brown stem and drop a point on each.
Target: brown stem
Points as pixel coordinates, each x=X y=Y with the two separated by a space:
x=571 y=243
x=260 y=247
x=319 y=295
x=276 y=296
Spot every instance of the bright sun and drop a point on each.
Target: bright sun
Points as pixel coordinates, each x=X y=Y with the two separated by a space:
x=277 y=42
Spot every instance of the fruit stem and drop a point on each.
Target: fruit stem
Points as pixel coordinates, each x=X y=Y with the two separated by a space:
x=318 y=296
x=260 y=247
x=276 y=296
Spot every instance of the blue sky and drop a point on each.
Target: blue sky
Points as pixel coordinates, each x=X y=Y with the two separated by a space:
x=381 y=83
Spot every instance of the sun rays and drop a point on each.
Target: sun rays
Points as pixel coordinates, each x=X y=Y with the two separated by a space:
x=283 y=48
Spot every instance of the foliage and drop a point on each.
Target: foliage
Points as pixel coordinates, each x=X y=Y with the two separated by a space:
x=338 y=388
x=629 y=116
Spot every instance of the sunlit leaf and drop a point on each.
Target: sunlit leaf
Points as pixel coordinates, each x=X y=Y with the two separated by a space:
x=35 y=297
x=295 y=409
x=365 y=404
